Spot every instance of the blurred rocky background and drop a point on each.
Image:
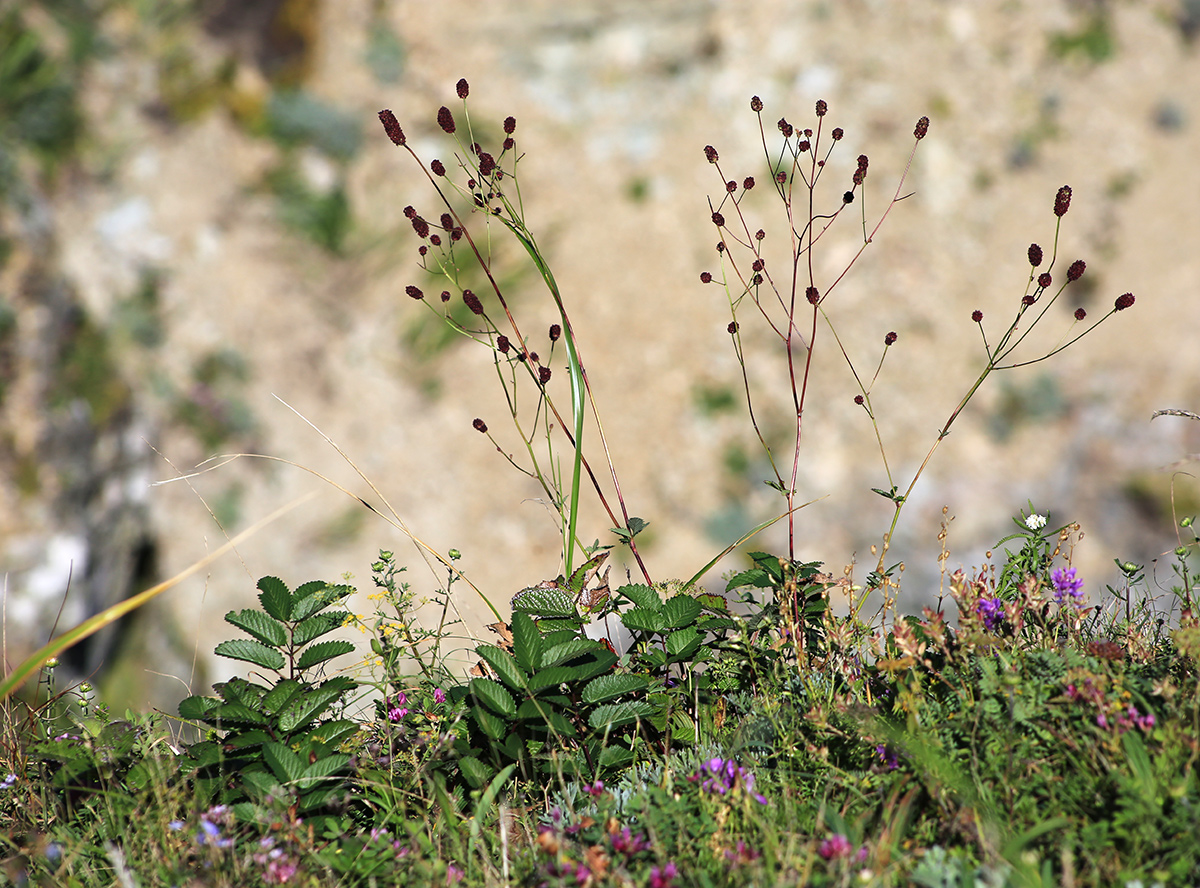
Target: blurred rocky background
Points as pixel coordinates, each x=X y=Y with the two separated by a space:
x=200 y=219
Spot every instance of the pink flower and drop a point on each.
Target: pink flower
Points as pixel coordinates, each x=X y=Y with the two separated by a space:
x=439 y=696
x=835 y=847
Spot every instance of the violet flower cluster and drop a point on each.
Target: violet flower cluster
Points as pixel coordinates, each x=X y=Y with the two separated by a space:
x=722 y=776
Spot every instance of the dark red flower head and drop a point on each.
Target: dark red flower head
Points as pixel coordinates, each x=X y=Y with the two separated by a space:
x=731 y=186
x=472 y=302
x=706 y=277
x=555 y=332
x=890 y=339
x=445 y=295
x=822 y=107
x=439 y=169
x=922 y=128
x=1123 y=302
x=837 y=133
x=812 y=295
x=848 y=197
x=1062 y=201
x=543 y=375
x=414 y=292
x=487 y=164
x=1028 y=300
x=420 y=226
x=1035 y=255
x=1076 y=270
x=503 y=344
x=480 y=426
x=781 y=177
x=977 y=316
x=445 y=119
x=410 y=211
x=718 y=219
x=1080 y=314
x=756 y=104
x=1045 y=280
x=859 y=400
x=748 y=183
x=785 y=128
x=462 y=88
x=733 y=327
x=391 y=126
x=760 y=234
x=510 y=125
x=711 y=153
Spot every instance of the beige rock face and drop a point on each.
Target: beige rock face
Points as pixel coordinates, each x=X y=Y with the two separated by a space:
x=615 y=102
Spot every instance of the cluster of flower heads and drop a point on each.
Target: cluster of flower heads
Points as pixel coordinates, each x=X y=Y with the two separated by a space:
x=838 y=847
x=1067 y=585
x=724 y=776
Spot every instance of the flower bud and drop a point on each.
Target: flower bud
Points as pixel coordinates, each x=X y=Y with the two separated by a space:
x=439 y=169
x=822 y=107
x=503 y=344
x=1045 y=280
x=1123 y=302
x=391 y=126
x=1062 y=201
x=414 y=292
x=480 y=425
x=718 y=219
x=1080 y=314
x=837 y=133
x=977 y=316
x=472 y=302
x=785 y=128
x=890 y=339
x=748 y=183
x=812 y=295
x=555 y=332
x=445 y=119
x=922 y=128
x=756 y=104
x=1035 y=255
x=733 y=327
x=543 y=375
x=510 y=125
x=1075 y=271
x=706 y=277
x=711 y=153
x=462 y=88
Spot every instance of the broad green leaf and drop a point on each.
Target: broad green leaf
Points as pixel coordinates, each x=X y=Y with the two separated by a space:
x=755 y=577
x=248 y=739
x=569 y=650
x=716 y=624
x=682 y=643
x=580 y=577
x=552 y=678
x=317 y=625
x=600 y=662
x=235 y=712
x=611 y=686
x=493 y=694
x=713 y=602
x=681 y=610
x=313 y=597
x=492 y=725
x=332 y=733
x=321 y=769
x=476 y=772
x=258 y=624
x=615 y=715
x=641 y=619
x=284 y=764
x=527 y=642
x=281 y=694
x=503 y=665
x=238 y=690
x=275 y=598
x=683 y=728
x=542 y=601
x=323 y=651
x=642 y=596
x=304 y=708
x=196 y=707
x=252 y=652
x=615 y=757
x=554 y=636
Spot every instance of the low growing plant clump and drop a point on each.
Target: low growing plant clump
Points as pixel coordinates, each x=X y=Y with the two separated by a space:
x=791 y=726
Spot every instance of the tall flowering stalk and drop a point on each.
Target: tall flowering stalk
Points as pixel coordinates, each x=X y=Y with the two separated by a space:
x=491 y=187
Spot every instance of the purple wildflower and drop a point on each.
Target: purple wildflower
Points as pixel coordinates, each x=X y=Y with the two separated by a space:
x=664 y=877
x=991 y=610
x=625 y=842
x=836 y=847
x=439 y=696
x=1067 y=583
x=721 y=776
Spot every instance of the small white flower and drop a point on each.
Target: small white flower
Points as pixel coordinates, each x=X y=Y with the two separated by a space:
x=1035 y=522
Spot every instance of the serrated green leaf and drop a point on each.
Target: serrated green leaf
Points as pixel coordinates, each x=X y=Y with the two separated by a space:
x=681 y=610
x=252 y=652
x=196 y=707
x=304 y=708
x=323 y=651
x=492 y=694
x=527 y=642
x=683 y=728
x=235 y=712
x=284 y=764
x=552 y=678
x=248 y=739
x=640 y=619
x=580 y=576
x=333 y=733
x=553 y=636
x=716 y=624
x=755 y=577
x=569 y=650
x=684 y=642
x=642 y=596
x=712 y=601
x=492 y=725
x=612 y=757
x=322 y=769
x=279 y=695
x=476 y=772
x=316 y=596
x=317 y=625
x=546 y=718
x=267 y=630
x=238 y=690
x=611 y=686
x=601 y=661
x=615 y=715
x=275 y=598
x=503 y=665
x=542 y=601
